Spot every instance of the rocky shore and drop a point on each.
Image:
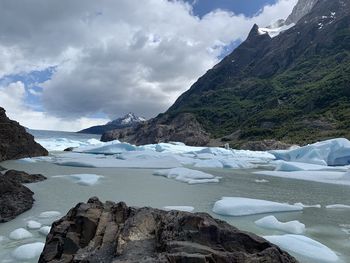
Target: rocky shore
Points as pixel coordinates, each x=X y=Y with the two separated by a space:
x=113 y=232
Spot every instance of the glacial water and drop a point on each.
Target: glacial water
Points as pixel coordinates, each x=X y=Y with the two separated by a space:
x=138 y=187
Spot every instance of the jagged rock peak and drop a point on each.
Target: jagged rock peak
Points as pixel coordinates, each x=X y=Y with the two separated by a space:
x=302 y=8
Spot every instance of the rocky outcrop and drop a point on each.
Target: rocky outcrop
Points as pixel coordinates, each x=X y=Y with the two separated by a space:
x=182 y=128
x=15 y=199
x=302 y=8
x=23 y=177
x=114 y=232
x=15 y=142
x=265 y=145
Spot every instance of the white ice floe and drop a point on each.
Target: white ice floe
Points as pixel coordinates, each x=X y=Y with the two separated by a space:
x=20 y=233
x=49 y=214
x=179 y=208
x=239 y=206
x=297 y=166
x=28 y=251
x=187 y=175
x=59 y=144
x=261 y=181
x=338 y=206
x=112 y=147
x=330 y=152
x=45 y=230
x=83 y=179
x=330 y=177
x=308 y=206
x=31 y=224
x=271 y=222
x=305 y=247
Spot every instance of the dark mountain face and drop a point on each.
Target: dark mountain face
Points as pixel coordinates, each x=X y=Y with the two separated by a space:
x=293 y=87
x=129 y=120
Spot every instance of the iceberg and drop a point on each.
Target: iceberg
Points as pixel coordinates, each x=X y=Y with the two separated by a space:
x=304 y=247
x=338 y=206
x=334 y=152
x=20 y=233
x=45 y=230
x=239 y=206
x=271 y=222
x=31 y=224
x=83 y=179
x=28 y=251
x=187 y=175
x=49 y=214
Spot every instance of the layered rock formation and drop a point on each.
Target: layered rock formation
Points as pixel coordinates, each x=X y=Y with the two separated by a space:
x=114 y=232
x=23 y=177
x=15 y=142
x=183 y=128
x=15 y=199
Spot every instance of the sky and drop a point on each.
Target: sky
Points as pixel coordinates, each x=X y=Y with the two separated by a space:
x=67 y=65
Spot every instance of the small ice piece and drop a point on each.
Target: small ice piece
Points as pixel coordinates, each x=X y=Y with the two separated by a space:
x=304 y=247
x=338 y=206
x=261 y=181
x=31 y=224
x=19 y=234
x=84 y=179
x=49 y=214
x=45 y=230
x=239 y=206
x=187 y=175
x=308 y=206
x=28 y=251
x=271 y=222
x=179 y=208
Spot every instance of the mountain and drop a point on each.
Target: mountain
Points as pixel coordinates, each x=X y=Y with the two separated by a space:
x=291 y=86
x=126 y=121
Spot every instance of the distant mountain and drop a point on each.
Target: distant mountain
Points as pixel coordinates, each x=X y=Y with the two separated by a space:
x=129 y=120
x=290 y=85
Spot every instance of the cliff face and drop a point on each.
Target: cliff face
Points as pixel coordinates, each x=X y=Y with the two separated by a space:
x=15 y=142
x=114 y=232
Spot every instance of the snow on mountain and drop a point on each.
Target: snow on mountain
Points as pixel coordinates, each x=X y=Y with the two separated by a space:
x=129 y=118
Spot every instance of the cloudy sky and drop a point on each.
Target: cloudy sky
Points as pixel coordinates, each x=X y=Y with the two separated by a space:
x=67 y=65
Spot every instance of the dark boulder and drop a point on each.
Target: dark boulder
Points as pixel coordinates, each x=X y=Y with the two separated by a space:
x=15 y=199
x=114 y=232
x=15 y=142
x=23 y=177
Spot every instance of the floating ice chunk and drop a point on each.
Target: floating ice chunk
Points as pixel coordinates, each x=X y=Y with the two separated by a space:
x=208 y=164
x=261 y=181
x=28 y=251
x=84 y=179
x=49 y=214
x=171 y=147
x=28 y=160
x=304 y=247
x=338 y=206
x=308 y=206
x=214 y=151
x=59 y=144
x=31 y=224
x=271 y=222
x=329 y=177
x=19 y=234
x=187 y=175
x=330 y=152
x=179 y=208
x=45 y=230
x=297 y=166
x=239 y=206
x=112 y=147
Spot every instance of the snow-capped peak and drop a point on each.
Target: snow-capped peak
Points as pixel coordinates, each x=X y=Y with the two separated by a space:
x=128 y=119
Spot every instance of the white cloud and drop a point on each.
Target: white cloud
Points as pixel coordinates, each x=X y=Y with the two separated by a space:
x=118 y=56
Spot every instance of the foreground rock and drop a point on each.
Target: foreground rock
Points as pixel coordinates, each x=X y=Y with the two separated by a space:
x=114 y=232
x=23 y=178
x=15 y=199
x=15 y=142
x=183 y=128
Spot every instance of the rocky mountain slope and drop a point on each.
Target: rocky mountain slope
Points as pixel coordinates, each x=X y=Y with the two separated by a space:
x=293 y=87
x=15 y=142
x=114 y=232
x=129 y=120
